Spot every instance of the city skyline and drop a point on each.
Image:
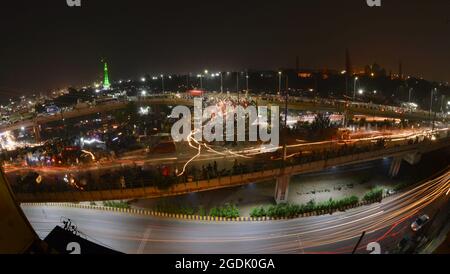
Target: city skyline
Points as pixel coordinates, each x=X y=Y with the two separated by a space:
x=151 y=38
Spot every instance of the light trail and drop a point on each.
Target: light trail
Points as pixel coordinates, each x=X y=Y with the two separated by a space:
x=320 y=234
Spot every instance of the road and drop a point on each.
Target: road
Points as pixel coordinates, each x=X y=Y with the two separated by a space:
x=217 y=153
x=385 y=223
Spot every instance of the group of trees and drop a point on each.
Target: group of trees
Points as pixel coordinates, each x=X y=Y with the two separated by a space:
x=292 y=210
x=375 y=194
x=320 y=129
x=226 y=211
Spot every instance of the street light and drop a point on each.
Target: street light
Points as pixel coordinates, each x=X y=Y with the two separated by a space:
x=354 y=88
x=237 y=85
x=431 y=105
x=246 y=79
x=431 y=100
x=221 y=82
x=360 y=91
x=162 y=82
x=205 y=75
x=201 y=80
x=279 y=82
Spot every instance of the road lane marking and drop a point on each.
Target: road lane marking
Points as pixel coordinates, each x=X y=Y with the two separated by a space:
x=144 y=240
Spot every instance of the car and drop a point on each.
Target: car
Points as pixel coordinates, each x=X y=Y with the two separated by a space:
x=420 y=222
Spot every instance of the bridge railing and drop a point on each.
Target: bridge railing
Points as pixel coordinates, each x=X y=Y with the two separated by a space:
x=264 y=173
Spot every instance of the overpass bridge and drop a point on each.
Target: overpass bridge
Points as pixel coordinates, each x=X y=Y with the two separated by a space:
x=294 y=103
x=410 y=153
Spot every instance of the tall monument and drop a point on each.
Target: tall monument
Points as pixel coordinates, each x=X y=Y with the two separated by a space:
x=106 y=84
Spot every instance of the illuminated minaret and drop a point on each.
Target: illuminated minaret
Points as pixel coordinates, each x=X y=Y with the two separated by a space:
x=106 y=84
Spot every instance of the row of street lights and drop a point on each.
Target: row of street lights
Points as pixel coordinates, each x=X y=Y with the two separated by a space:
x=143 y=79
x=220 y=74
x=204 y=76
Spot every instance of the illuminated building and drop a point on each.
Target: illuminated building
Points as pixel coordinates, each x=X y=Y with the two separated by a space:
x=106 y=84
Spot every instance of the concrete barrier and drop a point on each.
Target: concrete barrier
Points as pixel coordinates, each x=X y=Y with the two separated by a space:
x=236 y=180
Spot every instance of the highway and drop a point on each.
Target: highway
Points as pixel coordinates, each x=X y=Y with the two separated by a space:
x=385 y=223
x=216 y=153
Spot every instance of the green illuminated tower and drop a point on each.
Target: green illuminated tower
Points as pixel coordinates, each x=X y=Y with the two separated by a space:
x=106 y=84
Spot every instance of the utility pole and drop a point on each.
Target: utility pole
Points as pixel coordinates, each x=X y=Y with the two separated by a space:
x=354 y=88
x=286 y=95
x=431 y=107
x=284 y=130
x=221 y=82
x=246 y=79
x=237 y=85
x=279 y=83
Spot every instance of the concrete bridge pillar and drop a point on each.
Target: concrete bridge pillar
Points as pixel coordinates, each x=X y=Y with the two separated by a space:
x=412 y=158
x=282 y=189
x=395 y=167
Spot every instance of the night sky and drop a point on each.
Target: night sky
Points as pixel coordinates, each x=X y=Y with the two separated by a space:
x=45 y=44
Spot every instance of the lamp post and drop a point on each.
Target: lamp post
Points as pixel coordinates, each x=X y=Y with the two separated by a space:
x=431 y=100
x=162 y=82
x=221 y=82
x=201 y=81
x=431 y=106
x=279 y=82
x=206 y=77
x=354 y=88
x=246 y=80
x=237 y=85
